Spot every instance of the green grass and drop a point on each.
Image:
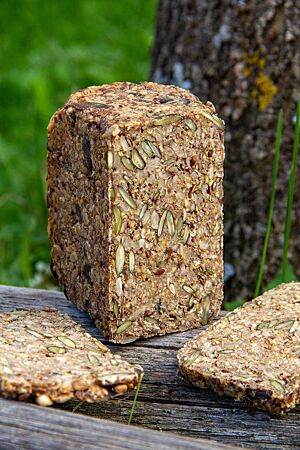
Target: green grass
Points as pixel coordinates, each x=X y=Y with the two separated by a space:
x=272 y=201
x=291 y=187
x=47 y=51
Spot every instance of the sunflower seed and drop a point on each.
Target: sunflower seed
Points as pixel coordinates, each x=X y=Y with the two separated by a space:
x=172 y=288
x=170 y=223
x=124 y=326
x=166 y=120
x=215 y=119
x=192 y=358
x=188 y=289
x=278 y=386
x=6 y=370
x=151 y=320
x=119 y=286
x=127 y=163
x=110 y=159
x=127 y=197
x=67 y=341
x=190 y=124
x=161 y=224
x=205 y=310
x=143 y=210
x=55 y=349
x=137 y=160
x=294 y=326
x=118 y=219
x=120 y=259
x=146 y=217
x=124 y=143
x=128 y=180
x=131 y=261
x=34 y=333
x=192 y=301
x=284 y=325
x=186 y=234
x=154 y=220
x=116 y=310
x=94 y=359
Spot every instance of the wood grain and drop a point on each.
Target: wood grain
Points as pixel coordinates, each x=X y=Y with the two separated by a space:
x=165 y=402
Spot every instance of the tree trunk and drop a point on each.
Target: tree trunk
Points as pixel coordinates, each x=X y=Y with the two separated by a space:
x=244 y=56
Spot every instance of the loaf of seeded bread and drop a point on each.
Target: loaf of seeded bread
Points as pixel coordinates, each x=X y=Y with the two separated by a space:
x=46 y=356
x=135 y=207
x=252 y=353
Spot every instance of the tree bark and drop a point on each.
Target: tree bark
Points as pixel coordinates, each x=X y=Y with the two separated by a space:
x=244 y=56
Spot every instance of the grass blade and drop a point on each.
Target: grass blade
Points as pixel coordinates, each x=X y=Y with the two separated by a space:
x=272 y=201
x=135 y=397
x=289 y=206
x=79 y=404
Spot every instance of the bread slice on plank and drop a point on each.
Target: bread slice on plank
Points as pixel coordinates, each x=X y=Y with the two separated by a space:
x=46 y=355
x=135 y=207
x=252 y=353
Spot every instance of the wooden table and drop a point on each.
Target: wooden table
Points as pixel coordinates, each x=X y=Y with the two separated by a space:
x=197 y=419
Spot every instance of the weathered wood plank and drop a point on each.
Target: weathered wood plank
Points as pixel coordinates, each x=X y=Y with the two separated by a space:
x=26 y=426
x=166 y=402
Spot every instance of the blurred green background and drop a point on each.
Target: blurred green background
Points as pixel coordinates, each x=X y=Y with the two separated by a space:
x=47 y=51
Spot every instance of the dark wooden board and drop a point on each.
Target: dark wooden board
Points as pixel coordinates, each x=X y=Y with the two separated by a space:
x=165 y=403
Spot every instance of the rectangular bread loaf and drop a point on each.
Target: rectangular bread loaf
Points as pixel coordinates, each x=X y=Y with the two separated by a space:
x=46 y=356
x=135 y=207
x=252 y=353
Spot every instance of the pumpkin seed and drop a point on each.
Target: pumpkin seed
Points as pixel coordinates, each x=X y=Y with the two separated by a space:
x=192 y=358
x=124 y=326
x=284 y=325
x=205 y=310
x=137 y=160
x=127 y=197
x=278 y=386
x=262 y=325
x=114 y=362
x=120 y=259
x=168 y=161
x=214 y=119
x=128 y=180
x=150 y=149
x=116 y=310
x=93 y=358
x=151 y=320
x=56 y=349
x=161 y=224
x=273 y=323
x=127 y=163
x=179 y=225
x=124 y=143
x=67 y=341
x=118 y=219
x=34 y=333
x=190 y=124
x=188 y=289
x=166 y=120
